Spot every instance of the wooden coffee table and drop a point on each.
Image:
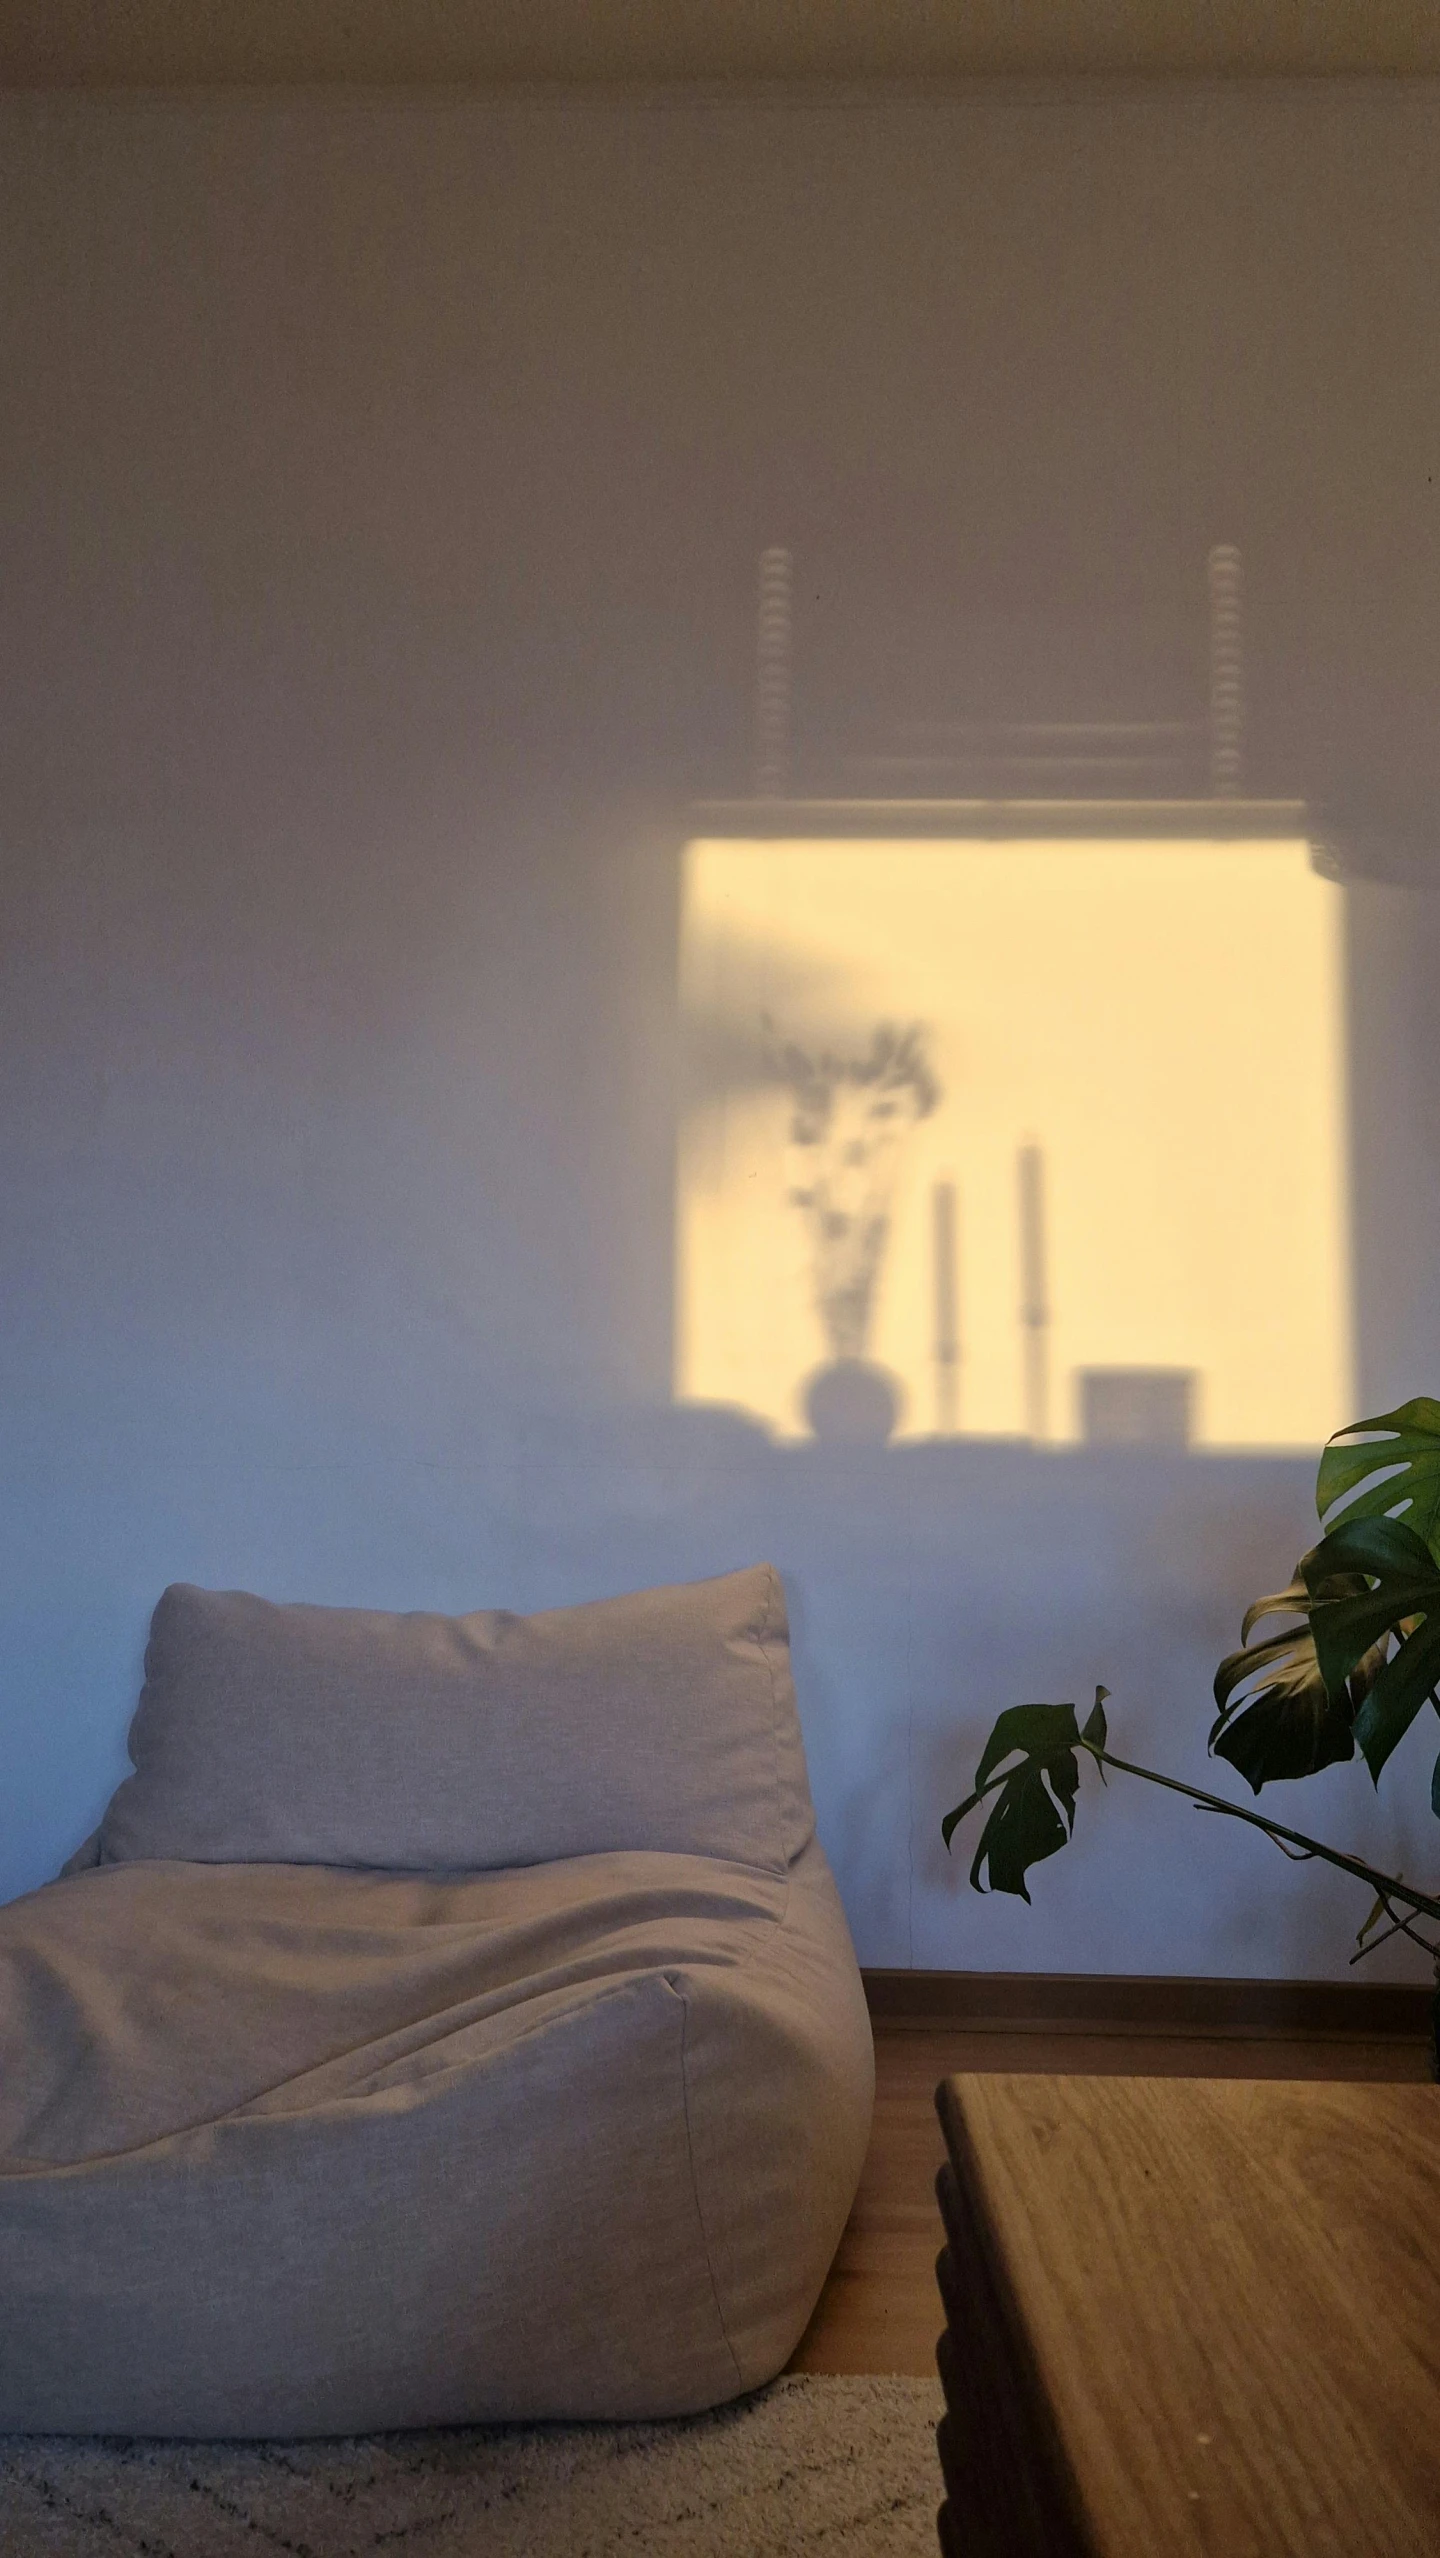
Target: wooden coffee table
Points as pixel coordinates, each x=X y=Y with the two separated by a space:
x=1195 y=2316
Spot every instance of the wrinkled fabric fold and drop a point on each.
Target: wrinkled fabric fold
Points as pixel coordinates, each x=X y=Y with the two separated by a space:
x=294 y=2149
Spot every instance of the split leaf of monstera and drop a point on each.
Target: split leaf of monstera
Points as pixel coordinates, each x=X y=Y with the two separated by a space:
x=1354 y=1673
x=1026 y=1823
x=1384 y=1468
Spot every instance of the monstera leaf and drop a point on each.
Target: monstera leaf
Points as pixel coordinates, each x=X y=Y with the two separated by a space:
x=1034 y=1809
x=1353 y=1673
x=1355 y=1660
x=1276 y=1716
x=1386 y=1468
x=1401 y=1609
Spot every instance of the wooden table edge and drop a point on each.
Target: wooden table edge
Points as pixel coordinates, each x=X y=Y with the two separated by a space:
x=1012 y=2490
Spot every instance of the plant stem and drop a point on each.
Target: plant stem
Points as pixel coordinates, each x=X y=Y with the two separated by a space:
x=1388 y=1884
x=1397 y=1927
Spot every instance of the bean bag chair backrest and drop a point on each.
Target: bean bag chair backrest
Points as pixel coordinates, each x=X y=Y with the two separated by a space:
x=345 y=1736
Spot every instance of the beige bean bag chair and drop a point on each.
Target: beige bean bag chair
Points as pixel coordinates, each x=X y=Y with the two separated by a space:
x=453 y=2018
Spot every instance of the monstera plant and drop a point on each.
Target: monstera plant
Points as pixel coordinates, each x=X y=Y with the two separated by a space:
x=1355 y=1660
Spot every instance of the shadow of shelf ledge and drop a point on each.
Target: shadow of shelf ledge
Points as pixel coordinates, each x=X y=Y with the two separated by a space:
x=1149 y=2003
x=1002 y=820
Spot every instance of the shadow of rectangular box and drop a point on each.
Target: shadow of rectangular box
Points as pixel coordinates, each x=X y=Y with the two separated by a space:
x=1136 y=1407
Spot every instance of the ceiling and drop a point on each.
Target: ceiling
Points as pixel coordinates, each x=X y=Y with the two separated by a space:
x=492 y=43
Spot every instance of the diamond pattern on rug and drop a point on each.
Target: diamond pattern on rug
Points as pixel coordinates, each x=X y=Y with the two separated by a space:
x=811 y=2467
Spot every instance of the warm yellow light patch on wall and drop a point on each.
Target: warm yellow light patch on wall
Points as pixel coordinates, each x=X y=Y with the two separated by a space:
x=1053 y=1133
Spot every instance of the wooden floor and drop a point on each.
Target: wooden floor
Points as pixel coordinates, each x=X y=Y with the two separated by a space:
x=880 y=2311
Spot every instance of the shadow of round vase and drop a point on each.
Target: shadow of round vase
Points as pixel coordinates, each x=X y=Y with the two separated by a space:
x=852 y=1403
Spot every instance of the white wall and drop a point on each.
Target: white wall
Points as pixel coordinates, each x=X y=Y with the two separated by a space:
x=381 y=488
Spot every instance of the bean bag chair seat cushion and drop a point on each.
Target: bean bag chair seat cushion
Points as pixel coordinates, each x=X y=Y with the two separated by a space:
x=299 y=2143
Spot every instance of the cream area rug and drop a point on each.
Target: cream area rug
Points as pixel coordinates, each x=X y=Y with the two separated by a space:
x=808 y=2468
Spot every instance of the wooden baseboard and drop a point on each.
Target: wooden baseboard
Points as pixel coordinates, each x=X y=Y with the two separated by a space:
x=1102 y=2003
